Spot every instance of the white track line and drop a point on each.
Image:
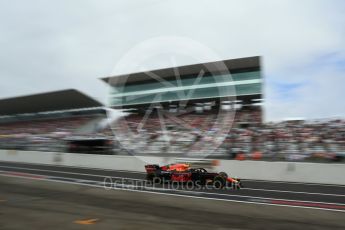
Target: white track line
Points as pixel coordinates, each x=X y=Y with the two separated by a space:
x=142 y=173
x=290 y=182
x=229 y=195
x=223 y=194
x=126 y=178
x=288 y=191
x=71 y=173
x=175 y=190
x=180 y=195
x=73 y=167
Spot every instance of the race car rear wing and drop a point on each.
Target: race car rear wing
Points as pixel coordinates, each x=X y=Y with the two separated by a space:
x=151 y=168
x=199 y=163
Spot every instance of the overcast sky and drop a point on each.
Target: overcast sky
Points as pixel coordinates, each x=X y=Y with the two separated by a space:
x=53 y=45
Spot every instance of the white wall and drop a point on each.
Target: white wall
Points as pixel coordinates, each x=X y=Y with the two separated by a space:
x=260 y=170
x=79 y=160
x=327 y=173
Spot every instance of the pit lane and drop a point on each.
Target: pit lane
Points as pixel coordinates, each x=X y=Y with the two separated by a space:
x=315 y=196
x=27 y=203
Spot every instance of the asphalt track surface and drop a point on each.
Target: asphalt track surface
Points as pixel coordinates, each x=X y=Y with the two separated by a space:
x=330 y=197
x=303 y=200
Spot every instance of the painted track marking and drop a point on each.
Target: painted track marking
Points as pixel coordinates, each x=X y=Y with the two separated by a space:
x=188 y=196
x=135 y=188
x=134 y=179
x=86 y=221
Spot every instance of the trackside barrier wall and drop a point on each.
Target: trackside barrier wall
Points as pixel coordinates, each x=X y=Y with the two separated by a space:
x=323 y=173
x=257 y=170
x=79 y=160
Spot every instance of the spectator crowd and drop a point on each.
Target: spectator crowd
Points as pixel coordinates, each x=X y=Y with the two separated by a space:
x=242 y=136
x=239 y=135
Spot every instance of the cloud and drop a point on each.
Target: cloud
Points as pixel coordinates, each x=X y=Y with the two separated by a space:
x=71 y=44
x=320 y=97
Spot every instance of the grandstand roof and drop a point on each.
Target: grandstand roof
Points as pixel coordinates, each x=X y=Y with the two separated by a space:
x=44 y=102
x=247 y=63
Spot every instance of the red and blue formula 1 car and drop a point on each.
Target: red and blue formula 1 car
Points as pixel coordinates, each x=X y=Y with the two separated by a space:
x=185 y=173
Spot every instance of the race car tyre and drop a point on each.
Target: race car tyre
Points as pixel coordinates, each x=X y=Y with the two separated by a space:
x=219 y=182
x=223 y=174
x=150 y=176
x=200 y=183
x=239 y=184
x=235 y=185
x=157 y=180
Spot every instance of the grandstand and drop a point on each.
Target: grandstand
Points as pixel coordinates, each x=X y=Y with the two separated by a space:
x=191 y=115
x=222 y=83
x=162 y=120
x=235 y=79
x=193 y=101
x=42 y=121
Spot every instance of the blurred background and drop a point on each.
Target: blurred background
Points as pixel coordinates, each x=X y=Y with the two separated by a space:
x=49 y=47
x=97 y=89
